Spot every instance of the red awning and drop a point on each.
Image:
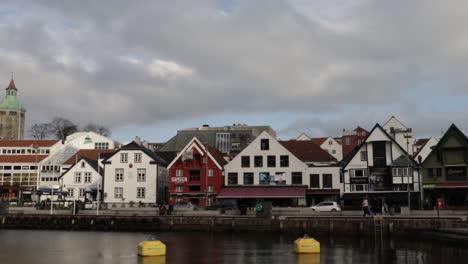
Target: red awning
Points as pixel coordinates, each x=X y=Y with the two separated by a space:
x=262 y=192
x=323 y=191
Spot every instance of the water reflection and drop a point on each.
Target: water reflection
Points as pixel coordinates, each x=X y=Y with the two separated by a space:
x=229 y=248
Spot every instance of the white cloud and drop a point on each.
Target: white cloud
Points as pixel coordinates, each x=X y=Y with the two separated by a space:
x=164 y=69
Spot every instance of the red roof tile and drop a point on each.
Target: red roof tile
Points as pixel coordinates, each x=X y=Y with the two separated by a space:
x=319 y=141
x=28 y=143
x=217 y=155
x=307 y=150
x=91 y=154
x=12 y=85
x=21 y=158
x=262 y=192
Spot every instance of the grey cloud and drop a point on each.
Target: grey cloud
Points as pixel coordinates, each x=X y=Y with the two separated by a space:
x=279 y=56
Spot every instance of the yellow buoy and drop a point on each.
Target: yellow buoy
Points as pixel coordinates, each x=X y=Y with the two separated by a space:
x=151 y=248
x=306 y=245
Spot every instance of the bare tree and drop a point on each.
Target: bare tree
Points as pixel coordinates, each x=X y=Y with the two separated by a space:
x=61 y=127
x=101 y=130
x=40 y=131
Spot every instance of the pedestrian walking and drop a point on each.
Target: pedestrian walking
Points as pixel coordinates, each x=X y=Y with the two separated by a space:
x=365 y=206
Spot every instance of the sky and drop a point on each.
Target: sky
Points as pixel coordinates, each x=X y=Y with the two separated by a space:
x=149 y=68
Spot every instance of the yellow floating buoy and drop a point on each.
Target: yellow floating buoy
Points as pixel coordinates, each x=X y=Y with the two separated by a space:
x=306 y=245
x=151 y=248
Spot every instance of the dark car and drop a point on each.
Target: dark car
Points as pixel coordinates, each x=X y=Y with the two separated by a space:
x=226 y=204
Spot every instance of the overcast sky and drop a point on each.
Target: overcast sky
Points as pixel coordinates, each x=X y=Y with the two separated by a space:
x=149 y=68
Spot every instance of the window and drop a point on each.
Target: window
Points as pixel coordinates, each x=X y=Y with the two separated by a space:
x=284 y=161
x=327 y=181
x=359 y=187
x=137 y=157
x=348 y=141
x=123 y=157
x=333 y=151
x=77 y=177
x=248 y=178
x=439 y=172
x=264 y=144
x=83 y=164
x=314 y=181
x=179 y=188
x=179 y=173
x=209 y=188
x=16 y=167
x=71 y=193
x=358 y=173
x=210 y=172
x=141 y=175
x=194 y=188
x=101 y=145
x=235 y=146
x=232 y=178
x=223 y=142
x=119 y=174
x=271 y=161
x=25 y=167
x=296 y=178
x=430 y=172
x=258 y=161
x=194 y=175
x=245 y=161
x=118 y=192
x=82 y=192
x=363 y=155
x=141 y=191
x=330 y=142
x=87 y=177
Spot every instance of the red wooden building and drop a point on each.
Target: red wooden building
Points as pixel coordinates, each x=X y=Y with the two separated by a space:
x=351 y=139
x=196 y=174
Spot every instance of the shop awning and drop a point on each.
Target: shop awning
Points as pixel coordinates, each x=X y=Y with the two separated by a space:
x=323 y=191
x=45 y=190
x=262 y=192
x=445 y=185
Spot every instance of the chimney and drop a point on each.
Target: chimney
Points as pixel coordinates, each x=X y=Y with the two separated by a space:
x=138 y=140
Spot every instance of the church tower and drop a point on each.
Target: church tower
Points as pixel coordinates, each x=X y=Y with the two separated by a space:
x=11 y=114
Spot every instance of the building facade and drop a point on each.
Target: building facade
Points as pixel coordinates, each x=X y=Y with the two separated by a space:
x=402 y=134
x=445 y=172
x=135 y=175
x=196 y=174
x=381 y=169
x=330 y=145
x=12 y=115
x=89 y=140
x=83 y=181
x=351 y=139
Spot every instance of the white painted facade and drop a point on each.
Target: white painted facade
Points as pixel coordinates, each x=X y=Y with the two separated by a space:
x=399 y=132
x=333 y=148
x=365 y=167
x=89 y=140
x=123 y=183
x=426 y=149
x=80 y=179
x=295 y=166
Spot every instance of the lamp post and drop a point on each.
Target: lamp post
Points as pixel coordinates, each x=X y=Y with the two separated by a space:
x=35 y=148
x=408 y=136
x=206 y=176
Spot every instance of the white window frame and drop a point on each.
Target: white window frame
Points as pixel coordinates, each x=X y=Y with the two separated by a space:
x=141 y=192
x=141 y=175
x=209 y=188
x=179 y=173
x=119 y=175
x=210 y=172
x=87 y=177
x=71 y=193
x=179 y=188
x=77 y=177
x=123 y=157
x=138 y=157
x=118 y=192
x=81 y=192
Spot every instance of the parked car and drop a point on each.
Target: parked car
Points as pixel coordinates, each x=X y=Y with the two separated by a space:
x=184 y=205
x=225 y=204
x=327 y=207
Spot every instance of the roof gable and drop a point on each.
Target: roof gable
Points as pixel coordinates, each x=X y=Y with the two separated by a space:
x=215 y=155
x=452 y=136
x=134 y=146
x=395 y=123
x=303 y=136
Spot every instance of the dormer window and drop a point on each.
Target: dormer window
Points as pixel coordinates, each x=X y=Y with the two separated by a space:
x=264 y=144
x=82 y=164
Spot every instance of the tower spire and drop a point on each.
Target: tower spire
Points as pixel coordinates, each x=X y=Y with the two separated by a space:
x=12 y=83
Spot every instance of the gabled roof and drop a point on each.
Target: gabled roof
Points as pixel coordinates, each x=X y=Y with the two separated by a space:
x=28 y=143
x=93 y=163
x=90 y=154
x=303 y=135
x=394 y=118
x=134 y=146
x=21 y=158
x=212 y=152
x=307 y=151
x=350 y=156
x=421 y=142
x=452 y=129
x=319 y=141
x=401 y=161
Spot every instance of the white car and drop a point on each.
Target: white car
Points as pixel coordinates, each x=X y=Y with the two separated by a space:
x=327 y=207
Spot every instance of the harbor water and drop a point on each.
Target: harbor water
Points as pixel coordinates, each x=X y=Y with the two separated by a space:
x=32 y=246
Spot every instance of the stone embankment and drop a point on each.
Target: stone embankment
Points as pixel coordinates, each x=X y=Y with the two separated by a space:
x=310 y=224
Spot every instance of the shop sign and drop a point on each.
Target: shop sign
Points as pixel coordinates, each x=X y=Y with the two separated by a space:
x=429 y=186
x=359 y=180
x=179 y=179
x=456 y=174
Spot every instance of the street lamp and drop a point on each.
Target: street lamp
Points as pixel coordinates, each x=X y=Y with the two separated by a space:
x=408 y=136
x=36 y=148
